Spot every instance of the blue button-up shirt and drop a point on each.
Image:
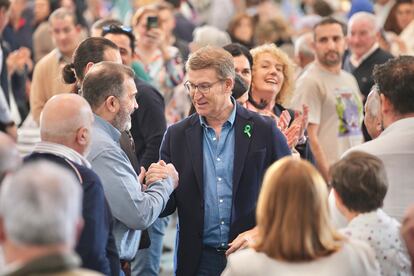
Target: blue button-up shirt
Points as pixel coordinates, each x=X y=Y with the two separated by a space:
x=218 y=157
x=133 y=210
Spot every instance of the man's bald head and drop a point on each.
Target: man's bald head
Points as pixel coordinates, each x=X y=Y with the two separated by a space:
x=9 y=155
x=372 y=117
x=62 y=118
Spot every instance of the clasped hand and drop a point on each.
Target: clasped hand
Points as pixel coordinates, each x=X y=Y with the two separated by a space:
x=157 y=172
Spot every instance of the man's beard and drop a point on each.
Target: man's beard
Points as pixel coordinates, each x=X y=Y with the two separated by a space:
x=122 y=121
x=326 y=61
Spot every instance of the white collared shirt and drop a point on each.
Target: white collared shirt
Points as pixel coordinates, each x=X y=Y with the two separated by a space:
x=356 y=62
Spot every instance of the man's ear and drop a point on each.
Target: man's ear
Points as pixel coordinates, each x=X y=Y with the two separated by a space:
x=112 y=104
x=87 y=67
x=229 y=84
x=79 y=227
x=82 y=136
x=386 y=106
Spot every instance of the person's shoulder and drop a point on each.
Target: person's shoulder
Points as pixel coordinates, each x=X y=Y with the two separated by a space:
x=355 y=247
x=381 y=55
x=45 y=61
x=368 y=147
x=147 y=92
x=248 y=262
x=185 y=123
x=359 y=256
x=312 y=76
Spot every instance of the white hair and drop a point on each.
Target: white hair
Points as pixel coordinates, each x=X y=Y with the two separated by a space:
x=364 y=16
x=209 y=35
x=303 y=45
x=373 y=104
x=41 y=205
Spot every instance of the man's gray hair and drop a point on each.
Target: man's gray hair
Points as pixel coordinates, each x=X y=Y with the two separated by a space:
x=215 y=58
x=365 y=16
x=210 y=36
x=303 y=45
x=40 y=205
x=62 y=13
x=373 y=102
x=105 y=79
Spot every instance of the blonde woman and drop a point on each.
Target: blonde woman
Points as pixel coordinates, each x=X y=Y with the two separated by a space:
x=295 y=236
x=271 y=89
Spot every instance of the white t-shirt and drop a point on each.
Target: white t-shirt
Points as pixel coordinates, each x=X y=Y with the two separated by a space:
x=354 y=258
x=335 y=105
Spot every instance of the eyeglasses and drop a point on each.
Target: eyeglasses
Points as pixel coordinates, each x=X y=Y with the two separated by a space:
x=203 y=88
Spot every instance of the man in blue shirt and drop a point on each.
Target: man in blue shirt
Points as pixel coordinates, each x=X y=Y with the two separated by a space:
x=221 y=153
x=110 y=90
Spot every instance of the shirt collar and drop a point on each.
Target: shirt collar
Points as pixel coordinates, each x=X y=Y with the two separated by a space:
x=61 y=58
x=62 y=151
x=230 y=119
x=399 y=124
x=356 y=62
x=114 y=133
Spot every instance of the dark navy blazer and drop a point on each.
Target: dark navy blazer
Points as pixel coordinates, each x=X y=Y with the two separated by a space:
x=182 y=146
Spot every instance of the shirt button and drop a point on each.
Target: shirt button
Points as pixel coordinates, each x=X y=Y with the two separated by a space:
x=221 y=201
x=219 y=178
x=222 y=222
x=218 y=159
x=214 y=138
x=223 y=244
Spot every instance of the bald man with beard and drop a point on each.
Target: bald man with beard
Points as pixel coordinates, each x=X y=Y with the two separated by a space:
x=65 y=130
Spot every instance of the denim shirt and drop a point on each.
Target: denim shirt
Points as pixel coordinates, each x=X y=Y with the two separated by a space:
x=218 y=157
x=133 y=210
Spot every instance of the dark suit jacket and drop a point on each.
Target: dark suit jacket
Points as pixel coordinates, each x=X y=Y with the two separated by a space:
x=148 y=123
x=183 y=147
x=96 y=246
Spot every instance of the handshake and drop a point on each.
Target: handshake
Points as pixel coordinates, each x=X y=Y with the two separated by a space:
x=157 y=172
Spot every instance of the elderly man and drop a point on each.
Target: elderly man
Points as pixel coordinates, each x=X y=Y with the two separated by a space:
x=65 y=130
x=304 y=54
x=364 y=50
x=221 y=153
x=364 y=53
x=110 y=90
x=395 y=145
x=333 y=97
x=39 y=233
x=47 y=80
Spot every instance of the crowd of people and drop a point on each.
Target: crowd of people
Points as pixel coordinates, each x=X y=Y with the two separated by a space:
x=279 y=132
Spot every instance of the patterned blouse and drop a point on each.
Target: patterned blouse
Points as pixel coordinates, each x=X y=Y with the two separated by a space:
x=382 y=233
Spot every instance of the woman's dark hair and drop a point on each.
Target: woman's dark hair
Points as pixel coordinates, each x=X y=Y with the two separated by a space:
x=360 y=180
x=90 y=50
x=236 y=50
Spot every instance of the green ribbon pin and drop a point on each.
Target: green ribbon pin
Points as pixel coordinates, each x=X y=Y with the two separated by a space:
x=247 y=129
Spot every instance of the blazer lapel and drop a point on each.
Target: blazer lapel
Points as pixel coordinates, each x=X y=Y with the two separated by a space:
x=242 y=143
x=194 y=136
